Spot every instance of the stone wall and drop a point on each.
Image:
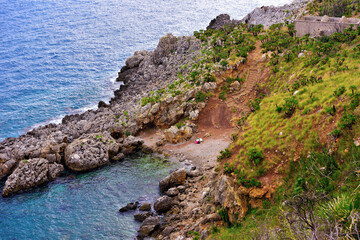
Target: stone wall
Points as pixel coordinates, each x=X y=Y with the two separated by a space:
x=323 y=26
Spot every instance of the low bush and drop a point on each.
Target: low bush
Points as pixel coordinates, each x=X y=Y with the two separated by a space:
x=200 y=96
x=347 y=121
x=224 y=154
x=255 y=156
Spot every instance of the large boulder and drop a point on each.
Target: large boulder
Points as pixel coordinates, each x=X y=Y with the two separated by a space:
x=136 y=59
x=90 y=151
x=31 y=173
x=163 y=204
x=142 y=216
x=148 y=226
x=6 y=165
x=175 y=135
x=131 y=144
x=175 y=179
x=219 y=22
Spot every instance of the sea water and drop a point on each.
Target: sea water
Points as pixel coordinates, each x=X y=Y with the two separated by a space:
x=84 y=206
x=62 y=57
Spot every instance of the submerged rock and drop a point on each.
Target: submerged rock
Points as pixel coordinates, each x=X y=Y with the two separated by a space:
x=31 y=173
x=145 y=207
x=129 y=207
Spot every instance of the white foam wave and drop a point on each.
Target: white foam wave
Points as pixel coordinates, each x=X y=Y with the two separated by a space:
x=109 y=93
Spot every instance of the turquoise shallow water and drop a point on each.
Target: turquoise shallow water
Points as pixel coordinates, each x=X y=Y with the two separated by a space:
x=85 y=207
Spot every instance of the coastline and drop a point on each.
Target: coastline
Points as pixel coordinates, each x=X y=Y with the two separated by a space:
x=150 y=70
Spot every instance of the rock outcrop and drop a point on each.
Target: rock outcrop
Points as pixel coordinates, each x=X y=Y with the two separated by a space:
x=148 y=226
x=175 y=179
x=142 y=216
x=6 y=165
x=90 y=151
x=220 y=21
x=131 y=144
x=31 y=173
x=163 y=204
x=175 y=135
x=224 y=193
x=268 y=15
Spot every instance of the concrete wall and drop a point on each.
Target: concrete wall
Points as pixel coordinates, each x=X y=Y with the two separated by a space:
x=318 y=26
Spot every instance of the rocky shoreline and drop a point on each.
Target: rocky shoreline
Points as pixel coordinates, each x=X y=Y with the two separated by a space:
x=94 y=138
x=102 y=134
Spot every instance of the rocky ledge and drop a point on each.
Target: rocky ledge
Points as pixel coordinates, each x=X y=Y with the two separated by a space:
x=268 y=15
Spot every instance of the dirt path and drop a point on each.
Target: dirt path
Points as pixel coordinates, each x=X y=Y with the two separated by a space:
x=214 y=123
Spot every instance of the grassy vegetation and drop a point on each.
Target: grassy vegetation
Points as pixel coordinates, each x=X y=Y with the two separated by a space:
x=304 y=131
x=334 y=8
x=220 y=48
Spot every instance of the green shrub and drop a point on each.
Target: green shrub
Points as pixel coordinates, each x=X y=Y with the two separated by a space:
x=340 y=208
x=224 y=63
x=194 y=234
x=223 y=212
x=224 y=154
x=254 y=105
x=331 y=110
x=347 y=121
x=255 y=156
x=338 y=92
x=355 y=101
x=180 y=124
x=266 y=204
x=299 y=186
x=127 y=133
x=228 y=168
x=288 y=107
x=215 y=229
x=241 y=177
x=222 y=95
x=200 y=96
x=209 y=78
x=336 y=133
x=255 y=30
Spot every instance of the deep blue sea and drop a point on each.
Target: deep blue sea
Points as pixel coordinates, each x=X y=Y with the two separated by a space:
x=60 y=57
